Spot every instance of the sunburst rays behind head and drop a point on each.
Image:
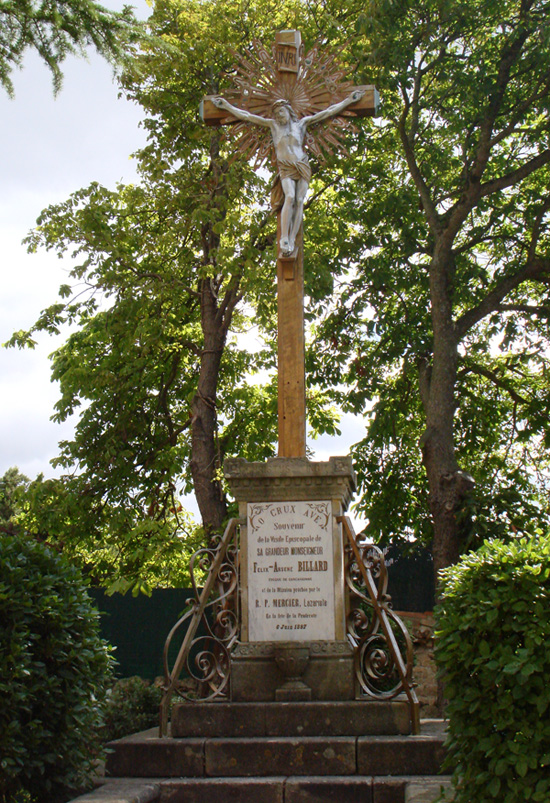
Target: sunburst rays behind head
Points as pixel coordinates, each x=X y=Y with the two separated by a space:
x=259 y=87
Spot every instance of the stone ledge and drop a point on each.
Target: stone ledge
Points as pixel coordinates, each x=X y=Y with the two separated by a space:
x=145 y=755
x=426 y=790
x=414 y=755
x=325 y=718
x=279 y=789
x=123 y=790
x=340 y=466
x=236 y=790
x=291 y=478
x=281 y=756
x=351 y=789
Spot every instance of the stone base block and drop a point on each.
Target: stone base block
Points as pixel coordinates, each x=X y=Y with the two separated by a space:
x=255 y=676
x=351 y=789
x=344 y=718
x=293 y=694
x=354 y=789
x=356 y=718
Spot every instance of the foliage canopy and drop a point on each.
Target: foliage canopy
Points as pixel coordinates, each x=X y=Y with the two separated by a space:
x=443 y=327
x=58 y=28
x=427 y=264
x=156 y=361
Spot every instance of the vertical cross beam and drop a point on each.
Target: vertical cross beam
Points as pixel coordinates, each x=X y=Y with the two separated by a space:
x=290 y=301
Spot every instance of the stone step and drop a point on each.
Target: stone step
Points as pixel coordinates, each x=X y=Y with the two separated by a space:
x=321 y=789
x=345 y=718
x=326 y=789
x=145 y=755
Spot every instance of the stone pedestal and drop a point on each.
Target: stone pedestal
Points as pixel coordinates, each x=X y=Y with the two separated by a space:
x=256 y=675
x=293 y=632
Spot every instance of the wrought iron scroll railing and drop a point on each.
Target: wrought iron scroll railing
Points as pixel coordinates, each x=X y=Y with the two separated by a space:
x=205 y=653
x=382 y=644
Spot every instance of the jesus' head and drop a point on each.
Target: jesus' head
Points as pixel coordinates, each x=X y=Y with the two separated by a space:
x=283 y=112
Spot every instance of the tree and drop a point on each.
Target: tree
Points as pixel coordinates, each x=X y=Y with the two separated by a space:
x=231 y=229
x=57 y=28
x=165 y=261
x=11 y=484
x=443 y=325
x=433 y=237
x=155 y=362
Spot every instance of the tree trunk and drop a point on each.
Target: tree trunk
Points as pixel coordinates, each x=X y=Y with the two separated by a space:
x=205 y=459
x=216 y=315
x=448 y=486
x=437 y=386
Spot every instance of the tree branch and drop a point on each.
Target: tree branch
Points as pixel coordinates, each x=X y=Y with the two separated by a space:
x=481 y=370
x=425 y=197
x=535 y=232
x=515 y=176
x=536 y=269
x=509 y=55
x=474 y=190
x=543 y=312
x=537 y=94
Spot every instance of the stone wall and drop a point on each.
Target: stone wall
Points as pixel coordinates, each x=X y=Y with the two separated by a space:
x=421 y=627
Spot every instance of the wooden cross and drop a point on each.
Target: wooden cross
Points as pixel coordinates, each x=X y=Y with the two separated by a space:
x=290 y=266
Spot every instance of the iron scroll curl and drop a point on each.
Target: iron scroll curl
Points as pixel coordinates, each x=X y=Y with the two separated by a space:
x=210 y=626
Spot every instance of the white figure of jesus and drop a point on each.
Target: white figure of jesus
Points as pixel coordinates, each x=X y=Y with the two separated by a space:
x=288 y=134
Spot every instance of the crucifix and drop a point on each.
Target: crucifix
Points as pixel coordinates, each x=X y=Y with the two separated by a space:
x=280 y=99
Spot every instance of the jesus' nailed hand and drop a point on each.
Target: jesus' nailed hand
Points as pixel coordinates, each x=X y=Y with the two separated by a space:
x=288 y=134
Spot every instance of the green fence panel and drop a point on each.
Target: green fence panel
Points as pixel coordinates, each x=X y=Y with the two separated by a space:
x=138 y=626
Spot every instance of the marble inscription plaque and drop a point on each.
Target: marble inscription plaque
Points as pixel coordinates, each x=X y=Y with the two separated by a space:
x=290 y=571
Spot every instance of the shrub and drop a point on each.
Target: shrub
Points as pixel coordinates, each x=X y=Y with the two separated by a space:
x=493 y=647
x=54 y=670
x=132 y=705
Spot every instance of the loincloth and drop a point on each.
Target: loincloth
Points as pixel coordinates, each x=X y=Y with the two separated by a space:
x=295 y=170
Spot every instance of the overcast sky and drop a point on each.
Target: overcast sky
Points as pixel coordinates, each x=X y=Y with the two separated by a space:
x=52 y=146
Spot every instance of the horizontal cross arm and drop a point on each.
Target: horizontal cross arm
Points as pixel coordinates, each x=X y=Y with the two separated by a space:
x=369 y=104
x=212 y=115
x=366 y=107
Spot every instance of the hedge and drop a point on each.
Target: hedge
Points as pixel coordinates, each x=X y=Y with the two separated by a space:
x=54 y=671
x=493 y=649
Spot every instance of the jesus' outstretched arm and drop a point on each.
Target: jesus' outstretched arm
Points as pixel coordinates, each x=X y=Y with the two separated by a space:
x=335 y=109
x=241 y=114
